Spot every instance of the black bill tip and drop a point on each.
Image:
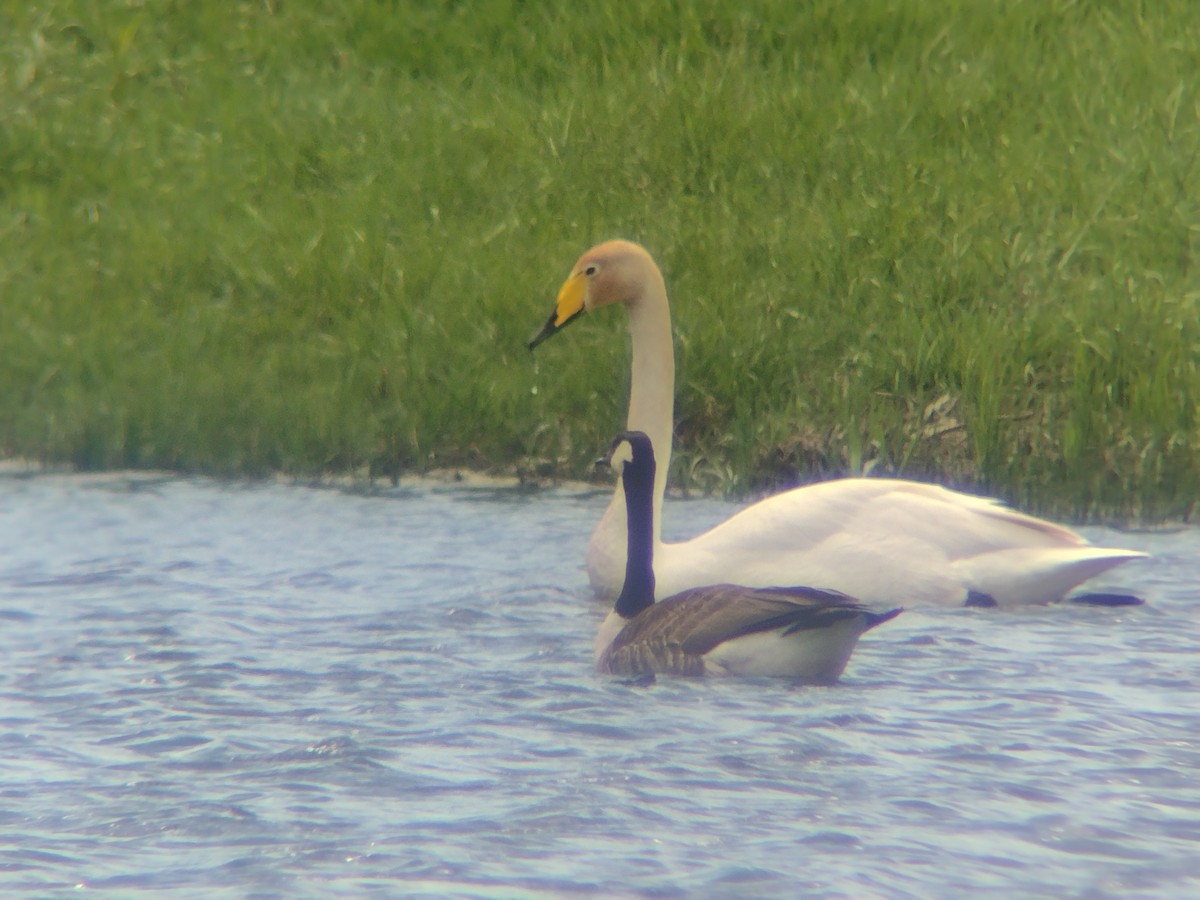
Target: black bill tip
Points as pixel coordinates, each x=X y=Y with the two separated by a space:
x=546 y=331
x=550 y=328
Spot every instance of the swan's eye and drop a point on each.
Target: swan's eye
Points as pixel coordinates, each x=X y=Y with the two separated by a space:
x=590 y=270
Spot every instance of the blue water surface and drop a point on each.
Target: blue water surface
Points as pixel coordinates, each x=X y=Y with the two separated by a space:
x=278 y=690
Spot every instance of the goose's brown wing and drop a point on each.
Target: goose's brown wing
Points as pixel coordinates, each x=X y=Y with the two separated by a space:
x=673 y=636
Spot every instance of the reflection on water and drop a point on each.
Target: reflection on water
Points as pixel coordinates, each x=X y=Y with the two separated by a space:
x=299 y=690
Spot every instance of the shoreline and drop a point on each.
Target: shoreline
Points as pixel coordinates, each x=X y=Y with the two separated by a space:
x=476 y=479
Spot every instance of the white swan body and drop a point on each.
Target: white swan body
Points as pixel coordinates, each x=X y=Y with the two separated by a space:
x=800 y=633
x=866 y=537
x=877 y=540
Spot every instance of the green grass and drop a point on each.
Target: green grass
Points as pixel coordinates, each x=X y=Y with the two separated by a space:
x=952 y=241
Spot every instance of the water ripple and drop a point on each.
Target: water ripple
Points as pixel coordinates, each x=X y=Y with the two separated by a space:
x=264 y=689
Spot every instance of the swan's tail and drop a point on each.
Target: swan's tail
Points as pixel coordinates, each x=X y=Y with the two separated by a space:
x=1036 y=575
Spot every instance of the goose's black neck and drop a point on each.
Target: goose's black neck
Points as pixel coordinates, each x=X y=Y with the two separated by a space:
x=637 y=479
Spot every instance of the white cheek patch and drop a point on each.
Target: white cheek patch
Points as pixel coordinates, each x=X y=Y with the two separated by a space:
x=621 y=454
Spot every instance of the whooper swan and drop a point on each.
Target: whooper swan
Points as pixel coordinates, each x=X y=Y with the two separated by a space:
x=866 y=537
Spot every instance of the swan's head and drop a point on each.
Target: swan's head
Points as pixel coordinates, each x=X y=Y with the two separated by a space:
x=612 y=272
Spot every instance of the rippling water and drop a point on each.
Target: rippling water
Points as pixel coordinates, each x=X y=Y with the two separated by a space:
x=270 y=689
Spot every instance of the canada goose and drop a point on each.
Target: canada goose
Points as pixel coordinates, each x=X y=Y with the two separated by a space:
x=863 y=536
x=722 y=629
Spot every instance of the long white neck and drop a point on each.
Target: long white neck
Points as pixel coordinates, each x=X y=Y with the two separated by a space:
x=652 y=386
x=652 y=410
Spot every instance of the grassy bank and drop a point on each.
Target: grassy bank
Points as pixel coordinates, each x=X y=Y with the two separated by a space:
x=954 y=241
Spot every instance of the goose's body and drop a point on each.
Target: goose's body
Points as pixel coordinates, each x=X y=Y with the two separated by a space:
x=722 y=629
x=727 y=629
x=861 y=536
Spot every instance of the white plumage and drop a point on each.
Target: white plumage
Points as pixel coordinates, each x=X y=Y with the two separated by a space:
x=867 y=537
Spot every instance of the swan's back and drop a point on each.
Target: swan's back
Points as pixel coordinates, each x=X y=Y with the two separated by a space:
x=886 y=540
